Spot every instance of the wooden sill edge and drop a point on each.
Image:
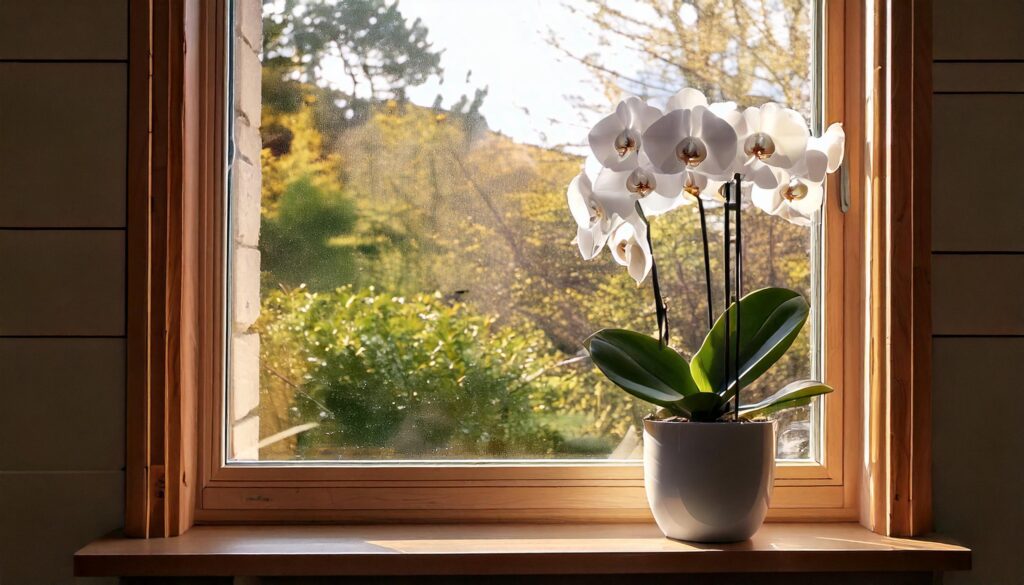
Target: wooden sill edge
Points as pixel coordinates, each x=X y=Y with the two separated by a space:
x=535 y=549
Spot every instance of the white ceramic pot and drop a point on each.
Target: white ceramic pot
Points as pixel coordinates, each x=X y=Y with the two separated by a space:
x=709 y=482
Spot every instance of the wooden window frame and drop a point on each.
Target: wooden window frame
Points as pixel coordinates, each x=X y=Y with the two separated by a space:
x=175 y=473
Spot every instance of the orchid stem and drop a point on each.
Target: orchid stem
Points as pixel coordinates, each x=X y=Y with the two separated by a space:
x=707 y=262
x=739 y=286
x=660 y=309
x=726 y=247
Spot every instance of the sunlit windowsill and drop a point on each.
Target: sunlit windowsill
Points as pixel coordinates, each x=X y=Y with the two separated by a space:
x=509 y=549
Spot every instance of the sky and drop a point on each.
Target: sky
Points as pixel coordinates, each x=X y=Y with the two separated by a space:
x=503 y=45
x=534 y=90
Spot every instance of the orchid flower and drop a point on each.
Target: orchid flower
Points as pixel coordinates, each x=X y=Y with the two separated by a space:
x=660 y=162
x=656 y=192
x=799 y=192
x=773 y=135
x=691 y=137
x=594 y=222
x=616 y=140
x=750 y=167
x=795 y=199
x=629 y=248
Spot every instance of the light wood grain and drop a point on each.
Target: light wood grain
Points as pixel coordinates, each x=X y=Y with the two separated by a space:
x=918 y=488
x=910 y=316
x=509 y=472
x=590 y=515
x=324 y=493
x=175 y=228
x=456 y=500
x=846 y=52
x=185 y=89
x=898 y=464
x=874 y=504
x=299 y=502
x=165 y=124
x=826 y=490
x=505 y=549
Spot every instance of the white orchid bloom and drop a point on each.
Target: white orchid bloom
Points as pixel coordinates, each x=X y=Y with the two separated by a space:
x=800 y=193
x=629 y=248
x=616 y=139
x=695 y=139
x=656 y=192
x=773 y=135
x=751 y=168
x=795 y=199
x=594 y=223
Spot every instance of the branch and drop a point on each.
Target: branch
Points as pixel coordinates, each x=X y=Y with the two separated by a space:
x=298 y=390
x=506 y=232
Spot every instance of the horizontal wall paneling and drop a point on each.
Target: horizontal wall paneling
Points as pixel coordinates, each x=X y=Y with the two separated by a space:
x=978 y=29
x=62 y=404
x=977 y=160
x=63 y=144
x=63 y=29
x=62 y=283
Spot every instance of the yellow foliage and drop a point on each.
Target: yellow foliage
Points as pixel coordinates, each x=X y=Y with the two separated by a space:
x=305 y=157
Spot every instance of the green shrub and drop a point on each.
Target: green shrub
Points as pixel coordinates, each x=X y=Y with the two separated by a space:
x=413 y=377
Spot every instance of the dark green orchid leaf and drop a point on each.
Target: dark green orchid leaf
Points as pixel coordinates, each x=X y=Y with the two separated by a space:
x=702 y=407
x=643 y=367
x=795 y=394
x=621 y=369
x=767 y=411
x=770 y=319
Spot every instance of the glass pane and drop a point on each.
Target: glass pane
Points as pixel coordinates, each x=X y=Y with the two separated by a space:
x=420 y=297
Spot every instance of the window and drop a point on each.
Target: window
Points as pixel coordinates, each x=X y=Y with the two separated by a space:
x=404 y=305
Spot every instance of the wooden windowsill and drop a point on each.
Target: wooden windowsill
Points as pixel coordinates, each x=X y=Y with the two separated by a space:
x=506 y=550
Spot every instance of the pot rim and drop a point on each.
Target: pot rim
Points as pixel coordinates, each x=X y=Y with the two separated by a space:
x=713 y=423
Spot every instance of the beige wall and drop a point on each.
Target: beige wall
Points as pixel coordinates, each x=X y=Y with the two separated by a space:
x=62 y=228
x=978 y=283
x=246 y=177
x=63 y=112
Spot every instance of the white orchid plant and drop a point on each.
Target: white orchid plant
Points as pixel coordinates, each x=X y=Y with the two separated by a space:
x=647 y=162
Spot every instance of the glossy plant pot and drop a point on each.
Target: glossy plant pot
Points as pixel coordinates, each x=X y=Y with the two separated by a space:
x=709 y=482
